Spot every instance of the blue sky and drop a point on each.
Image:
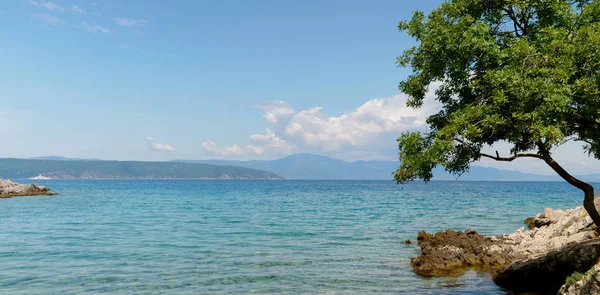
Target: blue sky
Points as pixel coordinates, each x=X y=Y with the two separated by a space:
x=162 y=80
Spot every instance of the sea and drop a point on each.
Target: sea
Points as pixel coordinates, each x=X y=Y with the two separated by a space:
x=251 y=237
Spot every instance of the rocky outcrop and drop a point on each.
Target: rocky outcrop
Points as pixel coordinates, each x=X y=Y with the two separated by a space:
x=546 y=273
x=589 y=283
x=12 y=189
x=554 y=229
x=452 y=252
x=559 y=243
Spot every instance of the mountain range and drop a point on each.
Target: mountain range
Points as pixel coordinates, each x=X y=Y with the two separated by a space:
x=310 y=166
x=296 y=166
x=42 y=168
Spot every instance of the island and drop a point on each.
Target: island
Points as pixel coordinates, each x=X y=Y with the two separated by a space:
x=93 y=169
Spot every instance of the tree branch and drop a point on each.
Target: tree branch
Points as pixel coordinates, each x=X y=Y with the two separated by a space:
x=545 y=155
x=525 y=20
x=511 y=13
x=510 y=159
x=497 y=156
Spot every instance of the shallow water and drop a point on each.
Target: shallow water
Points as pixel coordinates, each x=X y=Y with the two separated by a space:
x=239 y=237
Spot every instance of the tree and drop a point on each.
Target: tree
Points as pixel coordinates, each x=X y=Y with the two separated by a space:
x=523 y=72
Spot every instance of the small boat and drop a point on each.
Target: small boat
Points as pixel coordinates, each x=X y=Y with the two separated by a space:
x=39 y=177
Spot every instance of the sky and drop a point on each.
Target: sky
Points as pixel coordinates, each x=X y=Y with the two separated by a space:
x=164 y=80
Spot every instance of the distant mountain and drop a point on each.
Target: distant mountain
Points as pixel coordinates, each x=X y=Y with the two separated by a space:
x=93 y=169
x=309 y=166
x=297 y=166
x=55 y=158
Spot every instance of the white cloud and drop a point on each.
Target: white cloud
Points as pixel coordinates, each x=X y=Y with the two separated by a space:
x=261 y=144
x=94 y=28
x=275 y=110
x=270 y=142
x=211 y=147
x=47 y=5
x=370 y=130
x=257 y=150
x=77 y=9
x=129 y=22
x=159 y=147
x=360 y=128
x=48 y=18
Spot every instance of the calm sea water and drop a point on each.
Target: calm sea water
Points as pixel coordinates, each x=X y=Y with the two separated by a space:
x=240 y=237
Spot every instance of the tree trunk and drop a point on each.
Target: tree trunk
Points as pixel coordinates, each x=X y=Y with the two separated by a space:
x=588 y=190
x=590 y=206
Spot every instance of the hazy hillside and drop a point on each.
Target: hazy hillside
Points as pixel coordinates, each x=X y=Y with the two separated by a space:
x=62 y=158
x=308 y=166
x=298 y=166
x=85 y=169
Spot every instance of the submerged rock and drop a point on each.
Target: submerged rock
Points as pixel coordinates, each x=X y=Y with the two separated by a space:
x=12 y=189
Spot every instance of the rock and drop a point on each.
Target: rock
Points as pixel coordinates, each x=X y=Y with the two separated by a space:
x=579 y=237
x=552 y=215
x=589 y=284
x=539 y=222
x=12 y=189
x=470 y=231
x=450 y=253
x=407 y=242
x=422 y=235
x=546 y=274
x=530 y=222
x=533 y=222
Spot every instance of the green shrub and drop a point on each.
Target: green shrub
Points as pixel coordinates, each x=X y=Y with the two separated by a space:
x=590 y=272
x=573 y=278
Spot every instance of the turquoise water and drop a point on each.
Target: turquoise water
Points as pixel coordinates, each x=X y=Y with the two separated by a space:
x=241 y=237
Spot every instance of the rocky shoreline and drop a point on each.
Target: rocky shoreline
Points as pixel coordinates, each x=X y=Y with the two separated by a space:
x=10 y=189
x=558 y=244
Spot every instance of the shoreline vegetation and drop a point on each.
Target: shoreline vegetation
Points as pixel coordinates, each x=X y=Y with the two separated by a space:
x=559 y=254
x=9 y=189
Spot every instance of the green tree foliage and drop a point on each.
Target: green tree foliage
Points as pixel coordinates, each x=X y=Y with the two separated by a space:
x=524 y=72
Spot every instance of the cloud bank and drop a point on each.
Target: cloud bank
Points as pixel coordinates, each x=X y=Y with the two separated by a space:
x=372 y=126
